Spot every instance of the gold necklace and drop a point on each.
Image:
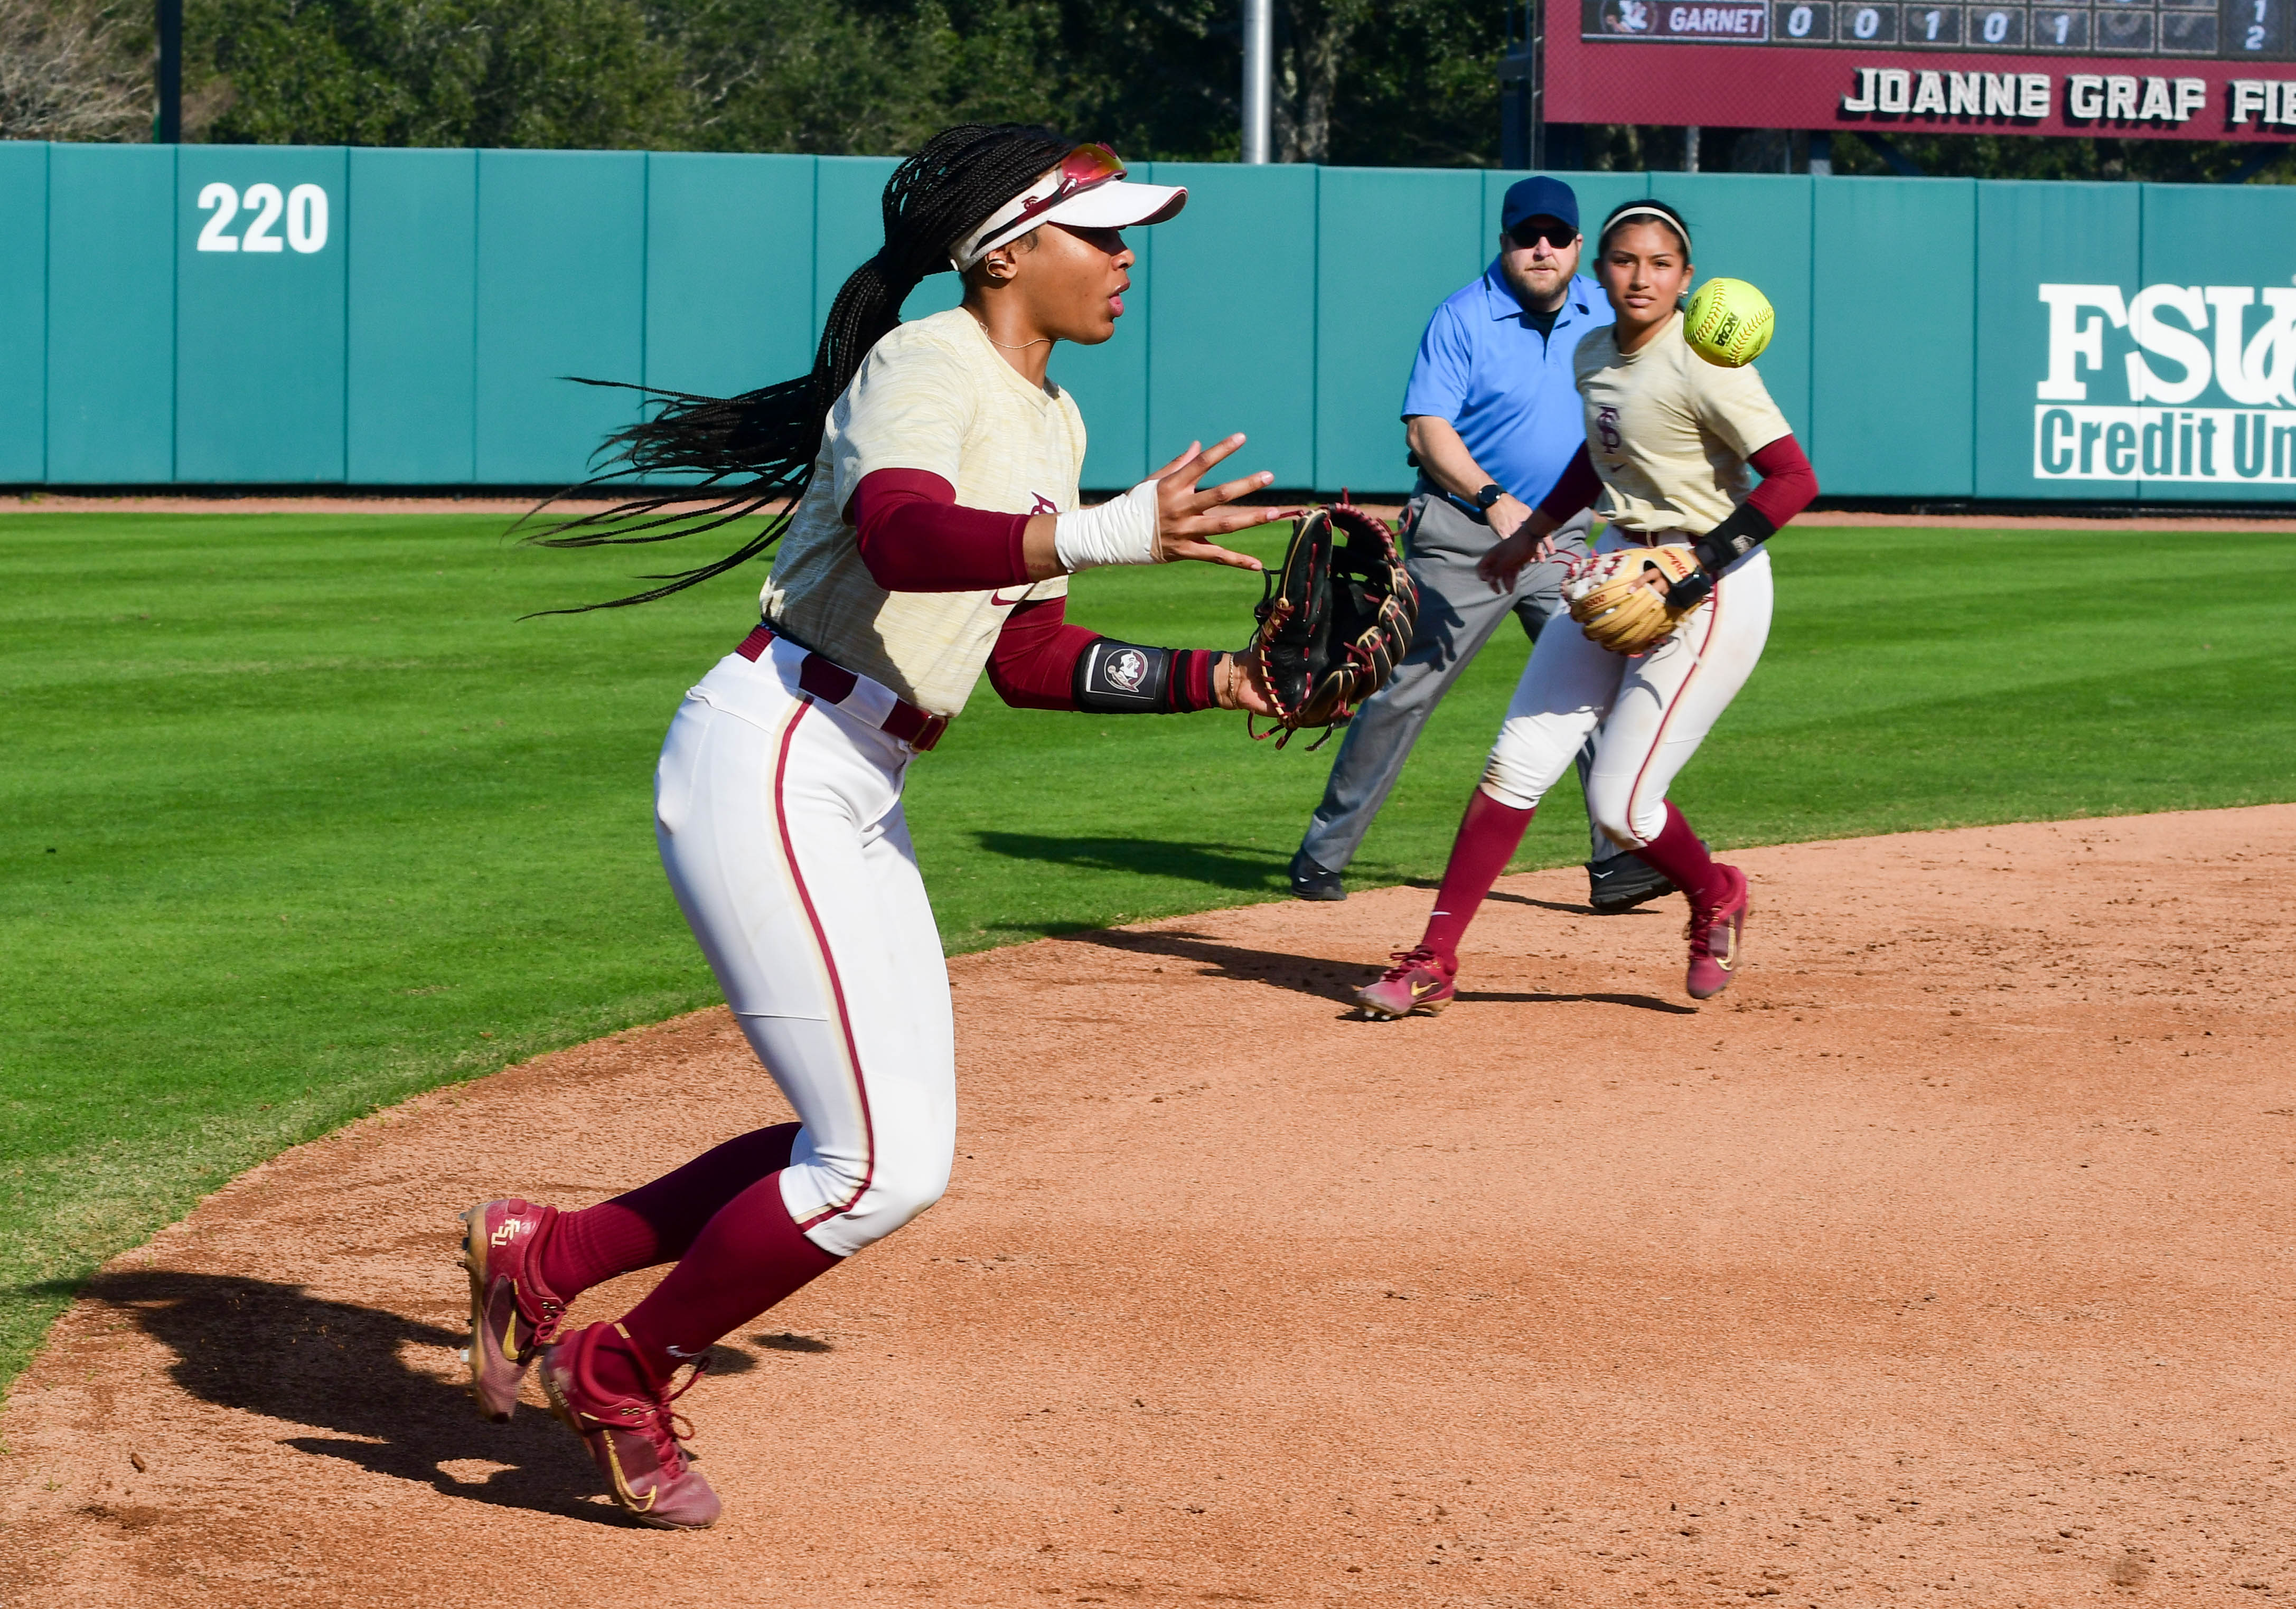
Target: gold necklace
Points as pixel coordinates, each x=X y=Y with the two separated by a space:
x=1041 y=340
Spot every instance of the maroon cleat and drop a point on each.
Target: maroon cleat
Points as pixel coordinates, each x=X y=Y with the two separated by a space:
x=513 y=1314
x=1419 y=981
x=636 y=1441
x=1718 y=938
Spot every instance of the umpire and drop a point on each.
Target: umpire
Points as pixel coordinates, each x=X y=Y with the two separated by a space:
x=1492 y=414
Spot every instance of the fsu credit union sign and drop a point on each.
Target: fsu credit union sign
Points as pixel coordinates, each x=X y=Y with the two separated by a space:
x=2120 y=400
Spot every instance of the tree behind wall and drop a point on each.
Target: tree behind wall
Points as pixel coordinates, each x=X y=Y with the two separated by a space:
x=432 y=72
x=1370 y=81
x=70 y=73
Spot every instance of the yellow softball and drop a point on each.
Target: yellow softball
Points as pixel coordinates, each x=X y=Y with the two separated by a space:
x=1728 y=322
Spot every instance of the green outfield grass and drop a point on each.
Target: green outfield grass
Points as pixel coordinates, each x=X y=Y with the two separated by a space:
x=301 y=819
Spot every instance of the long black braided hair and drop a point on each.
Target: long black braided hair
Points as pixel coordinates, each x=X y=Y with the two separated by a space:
x=756 y=450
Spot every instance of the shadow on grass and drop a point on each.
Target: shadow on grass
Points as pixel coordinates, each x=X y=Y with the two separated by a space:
x=1214 y=865
x=47 y=1290
x=277 y=1351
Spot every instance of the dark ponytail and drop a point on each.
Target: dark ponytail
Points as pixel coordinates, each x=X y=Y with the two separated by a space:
x=756 y=450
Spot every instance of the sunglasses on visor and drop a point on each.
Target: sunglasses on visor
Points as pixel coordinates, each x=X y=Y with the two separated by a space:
x=1087 y=168
x=1530 y=232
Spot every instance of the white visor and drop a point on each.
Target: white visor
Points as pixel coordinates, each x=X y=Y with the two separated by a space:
x=1111 y=204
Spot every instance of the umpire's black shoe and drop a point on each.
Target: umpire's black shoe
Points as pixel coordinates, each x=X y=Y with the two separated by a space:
x=1622 y=882
x=1310 y=881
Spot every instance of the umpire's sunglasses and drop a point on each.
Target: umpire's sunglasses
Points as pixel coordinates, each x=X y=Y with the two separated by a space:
x=1531 y=231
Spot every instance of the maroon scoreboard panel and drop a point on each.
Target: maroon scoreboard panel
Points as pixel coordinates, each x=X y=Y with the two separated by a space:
x=2195 y=70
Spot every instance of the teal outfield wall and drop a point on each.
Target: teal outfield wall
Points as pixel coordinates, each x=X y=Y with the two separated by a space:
x=273 y=314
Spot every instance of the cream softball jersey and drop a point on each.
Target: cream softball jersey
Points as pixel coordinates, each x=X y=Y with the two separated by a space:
x=1669 y=435
x=1668 y=432
x=932 y=396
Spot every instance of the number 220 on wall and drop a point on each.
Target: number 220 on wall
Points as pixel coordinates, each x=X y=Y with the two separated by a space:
x=305 y=206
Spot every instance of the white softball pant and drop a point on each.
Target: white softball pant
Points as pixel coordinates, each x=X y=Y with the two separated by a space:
x=1648 y=715
x=779 y=818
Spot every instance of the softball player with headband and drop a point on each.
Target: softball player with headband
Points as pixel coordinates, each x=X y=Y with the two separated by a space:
x=1669 y=439
x=935 y=530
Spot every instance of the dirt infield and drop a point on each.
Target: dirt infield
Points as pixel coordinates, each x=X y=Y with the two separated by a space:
x=1944 y=1258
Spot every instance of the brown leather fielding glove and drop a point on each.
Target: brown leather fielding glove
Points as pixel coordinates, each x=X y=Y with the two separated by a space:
x=1616 y=610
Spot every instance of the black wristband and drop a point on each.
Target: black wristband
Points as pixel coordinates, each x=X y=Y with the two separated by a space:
x=1122 y=678
x=1691 y=591
x=1746 y=529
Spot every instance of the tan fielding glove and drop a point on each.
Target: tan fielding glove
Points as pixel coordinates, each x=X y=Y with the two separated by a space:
x=1616 y=609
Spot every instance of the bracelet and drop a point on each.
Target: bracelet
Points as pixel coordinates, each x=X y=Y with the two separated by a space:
x=1119 y=531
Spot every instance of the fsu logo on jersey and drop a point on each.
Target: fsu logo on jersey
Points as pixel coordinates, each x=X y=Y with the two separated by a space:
x=1043 y=504
x=1606 y=427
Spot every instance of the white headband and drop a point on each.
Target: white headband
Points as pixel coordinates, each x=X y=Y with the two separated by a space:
x=1659 y=213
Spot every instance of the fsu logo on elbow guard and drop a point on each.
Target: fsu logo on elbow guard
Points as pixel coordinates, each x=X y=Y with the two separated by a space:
x=1125 y=670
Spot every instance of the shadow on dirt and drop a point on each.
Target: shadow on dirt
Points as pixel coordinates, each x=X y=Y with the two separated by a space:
x=1501 y=896
x=1308 y=975
x=277 y=1351
x=1563 y=907
x=1215 y=865
x=1640 y=1002
x=1323 y=979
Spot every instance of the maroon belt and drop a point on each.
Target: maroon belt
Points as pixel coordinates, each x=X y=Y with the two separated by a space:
x=832 y=682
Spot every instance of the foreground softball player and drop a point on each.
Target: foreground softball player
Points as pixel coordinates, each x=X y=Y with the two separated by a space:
x=1670 y=437
x=937 y=527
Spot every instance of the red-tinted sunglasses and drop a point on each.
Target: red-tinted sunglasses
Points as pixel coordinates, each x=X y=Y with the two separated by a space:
x=1087 y=168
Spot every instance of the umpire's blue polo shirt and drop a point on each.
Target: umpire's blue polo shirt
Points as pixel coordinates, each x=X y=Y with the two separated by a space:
x=1508 y=390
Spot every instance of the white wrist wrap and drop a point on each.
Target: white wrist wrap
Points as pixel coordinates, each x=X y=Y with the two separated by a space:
x=1120 y=531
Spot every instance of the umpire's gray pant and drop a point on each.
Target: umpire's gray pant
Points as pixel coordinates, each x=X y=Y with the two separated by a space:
x=1457 y=614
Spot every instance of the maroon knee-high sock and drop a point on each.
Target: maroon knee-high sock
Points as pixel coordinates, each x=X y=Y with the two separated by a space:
x=657 y=1222
x=747 y=1258
x=1488 y=836
x=1677 y=852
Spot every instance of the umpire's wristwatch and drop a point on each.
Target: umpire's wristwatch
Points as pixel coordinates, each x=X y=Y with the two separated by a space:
x=1491 y=494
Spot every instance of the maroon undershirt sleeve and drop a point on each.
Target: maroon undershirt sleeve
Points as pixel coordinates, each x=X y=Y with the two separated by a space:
x=1577 y=489
x=1788 y=485
x=914 y=538
x=1033 y=666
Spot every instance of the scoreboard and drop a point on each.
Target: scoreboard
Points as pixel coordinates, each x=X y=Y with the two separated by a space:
x=2234 y=30
x=2212 y=69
